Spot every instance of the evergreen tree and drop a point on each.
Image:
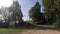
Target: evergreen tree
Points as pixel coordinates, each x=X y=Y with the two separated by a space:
x=35 y=13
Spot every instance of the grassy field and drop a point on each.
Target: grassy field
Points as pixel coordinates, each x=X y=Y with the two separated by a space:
x=10 y=31
x=20 y=30
x=16 y=30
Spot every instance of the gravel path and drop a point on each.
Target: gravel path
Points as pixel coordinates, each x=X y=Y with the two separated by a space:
x=41 y=32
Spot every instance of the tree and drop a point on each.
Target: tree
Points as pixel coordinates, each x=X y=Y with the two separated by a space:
x=17 y=15
x=4 y=12
x=51 y=10
x=35 y=13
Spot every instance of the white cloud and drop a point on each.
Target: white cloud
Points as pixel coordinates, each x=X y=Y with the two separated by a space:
x=5 y=3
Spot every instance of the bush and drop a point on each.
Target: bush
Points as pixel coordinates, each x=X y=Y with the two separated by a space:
x=57 y=24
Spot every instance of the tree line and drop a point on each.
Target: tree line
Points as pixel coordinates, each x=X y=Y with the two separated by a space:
x=50 y=16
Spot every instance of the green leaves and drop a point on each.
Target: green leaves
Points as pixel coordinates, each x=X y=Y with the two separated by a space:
x=51 y=7
x=17 y=13
x=35 y=13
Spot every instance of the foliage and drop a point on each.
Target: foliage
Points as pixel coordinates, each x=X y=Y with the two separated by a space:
x=35 y=13
x=16 y=15
x=52 y=10
x=57 y=24
x=5 y=20
x=11 y=14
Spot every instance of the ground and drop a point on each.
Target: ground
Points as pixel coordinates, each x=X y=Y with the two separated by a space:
x=41 y=32
x=28 y=31
x=31 y=29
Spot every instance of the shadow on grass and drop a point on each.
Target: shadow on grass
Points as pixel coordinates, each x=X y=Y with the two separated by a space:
x=29 y=26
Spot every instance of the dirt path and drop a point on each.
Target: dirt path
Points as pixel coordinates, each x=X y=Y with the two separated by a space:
x=41 y=32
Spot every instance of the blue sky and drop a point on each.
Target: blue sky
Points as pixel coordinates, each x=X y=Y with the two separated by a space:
x=26 y=6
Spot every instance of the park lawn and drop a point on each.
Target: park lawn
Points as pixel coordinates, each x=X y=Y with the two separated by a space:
x=10 y=30
x=20 y=30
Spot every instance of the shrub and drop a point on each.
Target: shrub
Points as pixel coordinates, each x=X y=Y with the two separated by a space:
x=57 y=24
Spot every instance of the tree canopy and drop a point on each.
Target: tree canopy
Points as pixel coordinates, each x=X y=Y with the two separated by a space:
x=35 y=13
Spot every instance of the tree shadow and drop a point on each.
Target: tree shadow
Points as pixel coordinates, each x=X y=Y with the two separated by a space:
x=29 y=26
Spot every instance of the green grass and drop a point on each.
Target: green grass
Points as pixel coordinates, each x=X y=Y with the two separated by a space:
x=17 y=30
x=26 y=26
x=10 y=31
